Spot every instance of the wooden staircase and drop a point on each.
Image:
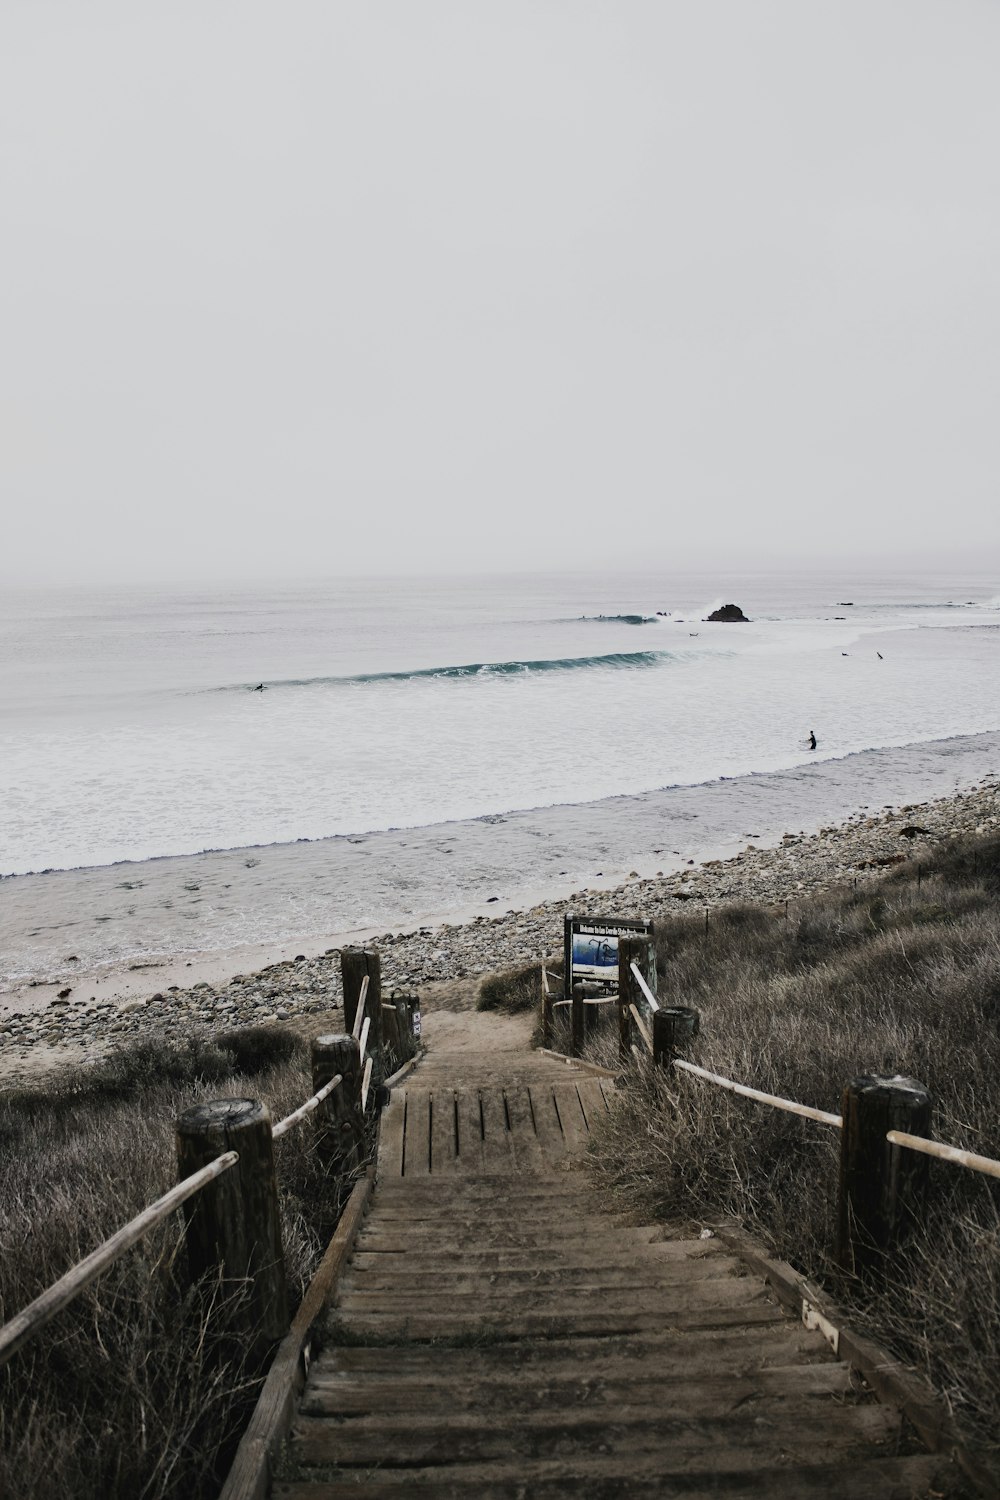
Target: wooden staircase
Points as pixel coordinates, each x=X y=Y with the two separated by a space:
x=499 y=1332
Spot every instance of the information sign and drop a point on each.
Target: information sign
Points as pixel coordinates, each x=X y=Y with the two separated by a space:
x=590 y=949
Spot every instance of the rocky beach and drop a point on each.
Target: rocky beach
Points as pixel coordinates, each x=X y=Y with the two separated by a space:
x=74 y=1025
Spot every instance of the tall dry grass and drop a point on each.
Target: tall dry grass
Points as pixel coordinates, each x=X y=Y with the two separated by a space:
x=902 y=977
x=134 y=1391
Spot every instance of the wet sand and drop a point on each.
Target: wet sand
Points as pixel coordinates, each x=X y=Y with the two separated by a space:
x=42 y=1028
x=128 y=930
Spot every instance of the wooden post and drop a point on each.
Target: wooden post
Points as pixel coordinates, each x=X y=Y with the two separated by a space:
x=340 y=1135
x=674 y=1026
x=882 y=1187
x=548 y=1014
x=636 y=950
x=391 y=1036
x=576 y=1020
x=412 y=1006
x=355 y=963
x=404 y=1010
x=234 y=1224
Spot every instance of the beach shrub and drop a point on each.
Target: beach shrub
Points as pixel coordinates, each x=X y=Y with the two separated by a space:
x=900 y=978
x=515 y=990
x=133 y=1390
x=253 y=1049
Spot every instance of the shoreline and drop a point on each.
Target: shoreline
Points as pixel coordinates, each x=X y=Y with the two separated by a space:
x=39 y=1031
x=122 y=931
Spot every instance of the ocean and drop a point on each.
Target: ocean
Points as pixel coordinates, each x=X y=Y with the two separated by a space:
x=146 y=723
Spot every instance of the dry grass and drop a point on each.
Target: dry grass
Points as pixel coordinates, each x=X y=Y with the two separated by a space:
x=134 y=1391
x=514 y=990
x=902 y=978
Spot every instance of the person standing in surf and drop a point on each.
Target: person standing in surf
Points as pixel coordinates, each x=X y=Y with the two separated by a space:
x=812 y=739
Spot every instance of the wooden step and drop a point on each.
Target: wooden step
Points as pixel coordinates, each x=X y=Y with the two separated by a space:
x=801 y=1428
x=672 y=1352
x=501 y=1332
x=484 y=1235
x=449 y=1253
x=342 y=1394
x=467 y=1281
x=491 y=1297
x=367 y=1327
x=610 y=1477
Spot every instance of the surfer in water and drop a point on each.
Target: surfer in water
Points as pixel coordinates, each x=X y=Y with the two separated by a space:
x=812 y=739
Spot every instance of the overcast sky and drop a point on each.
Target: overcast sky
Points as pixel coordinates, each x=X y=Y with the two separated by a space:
x=328 y=286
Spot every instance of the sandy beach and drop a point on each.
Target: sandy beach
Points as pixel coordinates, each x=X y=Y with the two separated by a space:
x=49 y=1023
x=116 y=927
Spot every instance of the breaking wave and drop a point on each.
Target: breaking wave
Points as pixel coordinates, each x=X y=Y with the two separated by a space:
x=627 y=660
x=619 y=619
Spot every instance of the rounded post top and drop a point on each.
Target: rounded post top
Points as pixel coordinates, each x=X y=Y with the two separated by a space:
x=223 y=1115
x=897 y=1086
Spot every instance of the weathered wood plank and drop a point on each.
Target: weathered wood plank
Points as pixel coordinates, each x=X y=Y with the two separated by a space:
x=596 y=1477
x=414 y=1323
x=497 y=1149
x=339 y=1395
x=455 y=1260
x=571 y=1116
x=391 y=1135
x=543 y=1274
x=470 y=1143
x=595 y=1109
x=421 y=1236
x=568 y=1302
x=527 y=1148
x=444 y=1152
x=674 y=1352
x=806 y=1434
x=482 y=1188
x=547 y=1126
x=417 y=1146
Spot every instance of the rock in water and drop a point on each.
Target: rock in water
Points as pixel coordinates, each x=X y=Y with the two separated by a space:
x=731 y=613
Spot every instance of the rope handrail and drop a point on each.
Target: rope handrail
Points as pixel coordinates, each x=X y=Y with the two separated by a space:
x=588 y=1000
x=642 y=1027
x=776 y=1102
x=955 y=1154
x=651 y=999
x=14 y=1334
x=360 y=1012
x=363 y=1041
x=365 y=1082
x=975 y=1163
x=307 y=1108
x=985 y=1164
x=44 y=1308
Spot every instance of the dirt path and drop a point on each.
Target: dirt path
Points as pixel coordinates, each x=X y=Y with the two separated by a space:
x=499 y=1332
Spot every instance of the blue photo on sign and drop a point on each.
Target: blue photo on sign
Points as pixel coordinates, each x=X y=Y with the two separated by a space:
x=595 y=955
x=590 y=948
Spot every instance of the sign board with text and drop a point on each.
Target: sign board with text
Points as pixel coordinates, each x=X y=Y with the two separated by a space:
x=590 y=949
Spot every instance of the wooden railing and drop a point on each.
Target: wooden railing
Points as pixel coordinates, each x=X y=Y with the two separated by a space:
x=880 y=1191
x=225 y=1155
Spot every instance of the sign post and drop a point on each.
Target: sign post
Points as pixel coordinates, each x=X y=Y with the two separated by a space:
x=590 y=959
